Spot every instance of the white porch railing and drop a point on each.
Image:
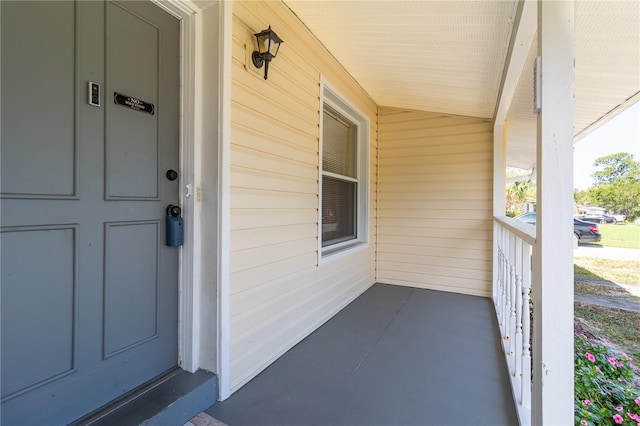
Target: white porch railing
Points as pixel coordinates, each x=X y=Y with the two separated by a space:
x=513 y=247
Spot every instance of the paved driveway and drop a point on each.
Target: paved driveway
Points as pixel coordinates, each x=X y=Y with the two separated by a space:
x=592 y=250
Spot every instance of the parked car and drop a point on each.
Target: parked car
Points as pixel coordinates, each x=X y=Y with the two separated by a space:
x=586 y=232
x=620 y=217
x=597 y=218
x=583 y=232
x=527 y=218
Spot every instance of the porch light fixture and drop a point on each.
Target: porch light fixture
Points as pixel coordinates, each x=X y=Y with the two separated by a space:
x=268 y=45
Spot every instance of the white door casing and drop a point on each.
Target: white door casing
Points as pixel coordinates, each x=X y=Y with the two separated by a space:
x=205 y=146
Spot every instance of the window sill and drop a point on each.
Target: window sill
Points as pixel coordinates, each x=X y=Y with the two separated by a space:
x=342 y=249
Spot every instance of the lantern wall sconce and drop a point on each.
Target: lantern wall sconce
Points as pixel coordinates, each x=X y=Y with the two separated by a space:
x=268 y=45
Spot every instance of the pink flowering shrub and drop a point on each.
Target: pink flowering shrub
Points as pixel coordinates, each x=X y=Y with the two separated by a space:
x=604 y=390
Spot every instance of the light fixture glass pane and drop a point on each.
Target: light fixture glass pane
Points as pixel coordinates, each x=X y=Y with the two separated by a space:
x=273 y=47
x=263 y=43
x=338 y=144
x=338 y=210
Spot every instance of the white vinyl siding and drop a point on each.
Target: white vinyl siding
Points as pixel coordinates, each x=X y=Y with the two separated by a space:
x=279 y=293
x=435 y=201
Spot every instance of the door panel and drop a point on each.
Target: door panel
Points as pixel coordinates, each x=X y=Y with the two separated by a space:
x=132 y=136
x=131 y=291
x=42 y=348
x=43 y=164
x=89 y=289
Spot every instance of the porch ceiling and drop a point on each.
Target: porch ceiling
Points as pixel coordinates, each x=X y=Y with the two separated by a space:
x=426 y=55
x=448 y=57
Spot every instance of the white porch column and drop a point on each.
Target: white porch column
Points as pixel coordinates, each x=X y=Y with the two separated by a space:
x=552 y=396
x=499 y=168
x=525 y=29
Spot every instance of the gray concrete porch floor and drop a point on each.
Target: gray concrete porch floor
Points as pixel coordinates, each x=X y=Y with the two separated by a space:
x=395 y=356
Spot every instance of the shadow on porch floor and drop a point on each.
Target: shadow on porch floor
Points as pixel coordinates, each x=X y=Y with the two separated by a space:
x=395 y=356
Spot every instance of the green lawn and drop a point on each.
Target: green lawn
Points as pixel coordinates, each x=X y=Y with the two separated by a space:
x=626 y=236
x=618 y=271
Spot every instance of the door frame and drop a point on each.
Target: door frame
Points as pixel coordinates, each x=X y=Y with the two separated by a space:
x=198 y=345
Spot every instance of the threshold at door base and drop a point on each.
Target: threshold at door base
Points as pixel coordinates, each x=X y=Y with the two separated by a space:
x=174 y=400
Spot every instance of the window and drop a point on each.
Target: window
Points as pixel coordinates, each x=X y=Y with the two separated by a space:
x=343 y=175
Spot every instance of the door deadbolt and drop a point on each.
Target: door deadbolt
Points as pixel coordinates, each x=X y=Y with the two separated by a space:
x=172 y=175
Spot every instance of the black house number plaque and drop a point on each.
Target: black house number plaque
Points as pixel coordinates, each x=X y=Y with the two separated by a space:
x=133 y=103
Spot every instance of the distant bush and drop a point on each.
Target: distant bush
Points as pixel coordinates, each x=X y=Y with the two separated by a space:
x=513 y=213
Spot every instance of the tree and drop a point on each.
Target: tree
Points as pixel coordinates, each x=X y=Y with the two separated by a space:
x=616 y=167
x=622 y=196
x=518 y=193
x=581 y=197
x=617 y=185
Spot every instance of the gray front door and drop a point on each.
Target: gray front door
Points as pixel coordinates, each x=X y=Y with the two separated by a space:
x=89 y=288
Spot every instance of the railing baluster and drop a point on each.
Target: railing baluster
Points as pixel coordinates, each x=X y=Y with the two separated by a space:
x=512 y=306
x=507 y=286
x=503 y=290
x=526 y=330
x=517 y=343
x=507 y=305
x=503 y=260
x=498 y=266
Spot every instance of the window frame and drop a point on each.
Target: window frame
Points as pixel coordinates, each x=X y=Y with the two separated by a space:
x=336 y=101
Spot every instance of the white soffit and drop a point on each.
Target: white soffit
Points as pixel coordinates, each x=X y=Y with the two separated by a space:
x=607 y=58
x=607 y=75
x=439 y=56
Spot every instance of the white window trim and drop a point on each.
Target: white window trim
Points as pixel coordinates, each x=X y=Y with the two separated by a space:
x=333 y=98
